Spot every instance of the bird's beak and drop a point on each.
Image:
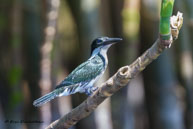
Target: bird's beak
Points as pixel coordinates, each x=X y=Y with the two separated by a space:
x=112 y=40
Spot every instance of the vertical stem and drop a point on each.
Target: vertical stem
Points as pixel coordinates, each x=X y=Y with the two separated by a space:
x=165 y=14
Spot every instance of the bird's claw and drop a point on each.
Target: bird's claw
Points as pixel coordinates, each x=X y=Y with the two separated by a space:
x=90 y=90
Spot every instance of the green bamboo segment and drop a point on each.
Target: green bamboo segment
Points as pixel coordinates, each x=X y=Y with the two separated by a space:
x=165 y=14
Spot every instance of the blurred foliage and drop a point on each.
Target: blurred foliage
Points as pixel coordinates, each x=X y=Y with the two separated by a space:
x=14 y=75
x=3 y=22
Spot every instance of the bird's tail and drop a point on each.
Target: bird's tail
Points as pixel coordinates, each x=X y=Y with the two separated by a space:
x=60 y=91
x=46 y=98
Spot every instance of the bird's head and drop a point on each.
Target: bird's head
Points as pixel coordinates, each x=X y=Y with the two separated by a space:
x=103 y=43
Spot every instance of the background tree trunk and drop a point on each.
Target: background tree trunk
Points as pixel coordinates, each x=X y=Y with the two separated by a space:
x=160 y=82
x=185 y=60
x=86 y=16
x=10 y=62
x=32 y=40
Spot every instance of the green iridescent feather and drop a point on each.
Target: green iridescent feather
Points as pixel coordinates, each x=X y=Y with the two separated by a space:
x=84 y=72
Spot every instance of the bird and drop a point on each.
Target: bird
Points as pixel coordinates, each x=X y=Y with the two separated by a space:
x=83 y=77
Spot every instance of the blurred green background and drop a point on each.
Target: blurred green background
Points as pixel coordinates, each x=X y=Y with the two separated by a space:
x=42 y=41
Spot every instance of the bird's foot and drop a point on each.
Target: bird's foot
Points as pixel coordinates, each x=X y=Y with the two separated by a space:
x=90 y=90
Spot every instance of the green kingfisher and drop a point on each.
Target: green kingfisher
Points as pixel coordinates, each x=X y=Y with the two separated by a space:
x=82 y=78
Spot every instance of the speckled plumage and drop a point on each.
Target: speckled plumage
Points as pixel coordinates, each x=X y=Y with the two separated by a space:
x=83 y=77
x=85 y=72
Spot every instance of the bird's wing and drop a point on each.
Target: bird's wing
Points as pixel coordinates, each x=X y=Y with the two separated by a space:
x=84 y=73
